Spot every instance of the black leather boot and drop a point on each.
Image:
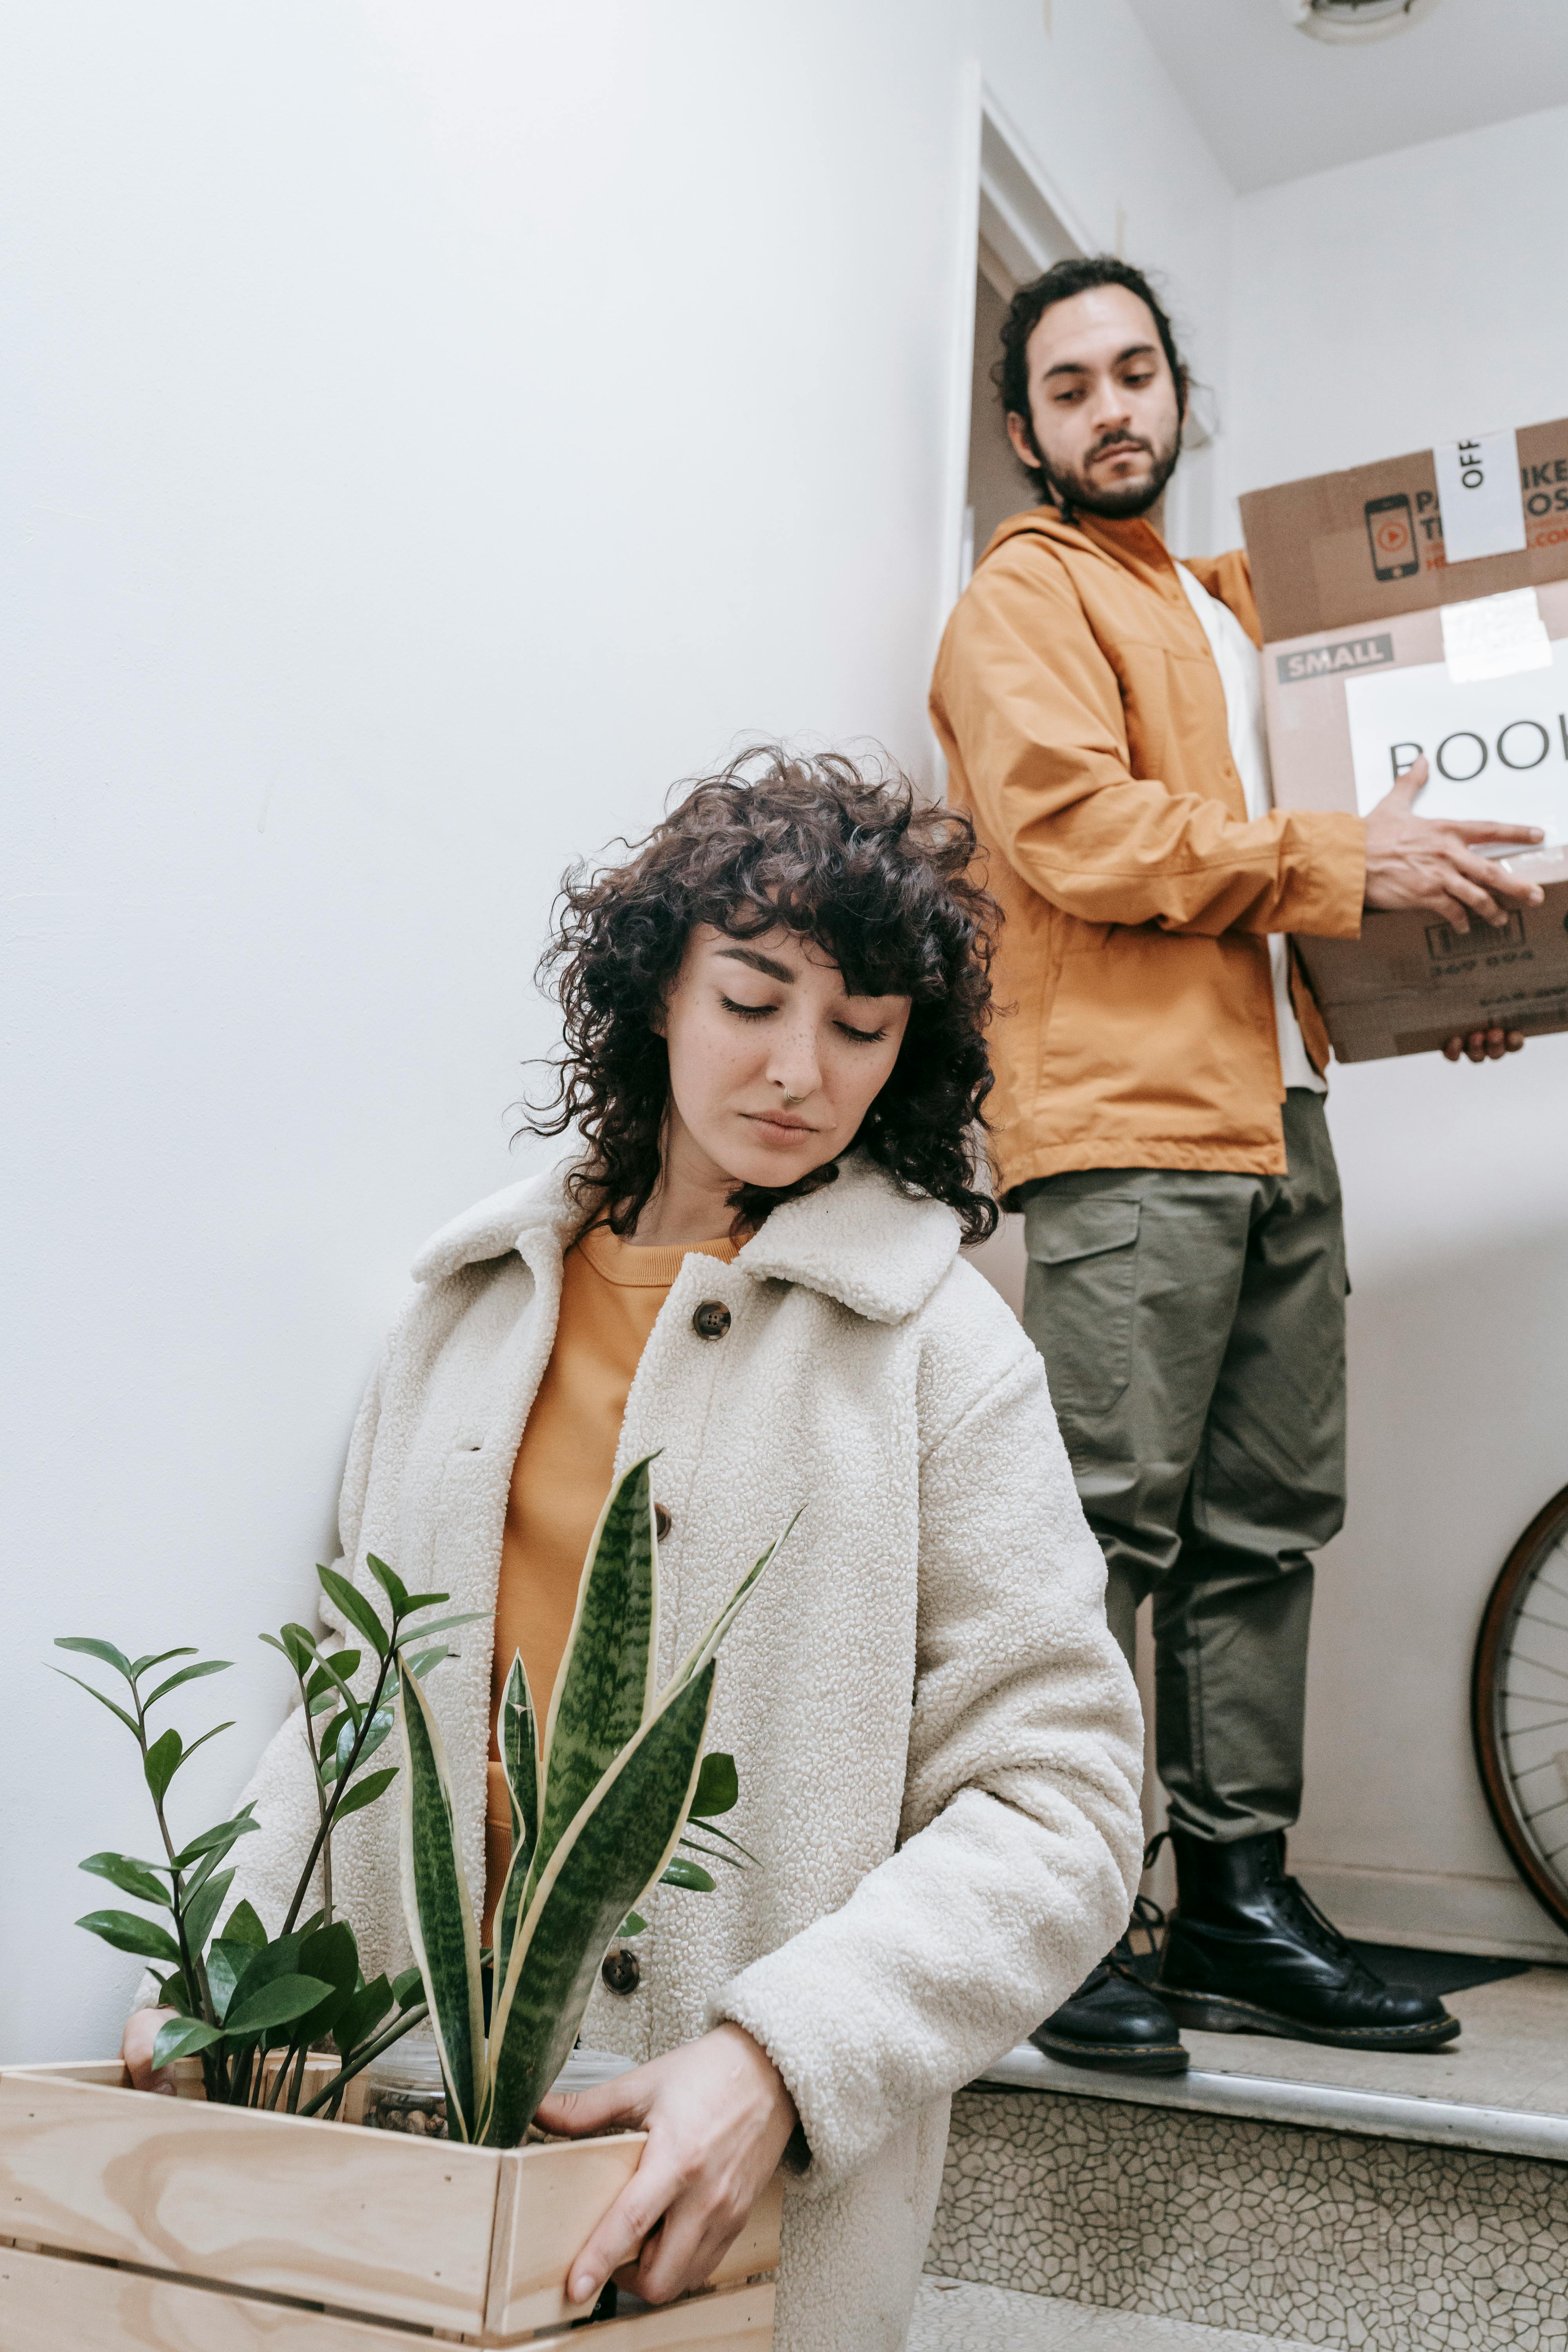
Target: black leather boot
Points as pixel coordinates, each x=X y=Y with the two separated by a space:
x=1249 y=1952
x=1114 y=2021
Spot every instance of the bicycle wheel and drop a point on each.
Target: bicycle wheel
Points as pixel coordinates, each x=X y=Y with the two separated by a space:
x=1518 y=1706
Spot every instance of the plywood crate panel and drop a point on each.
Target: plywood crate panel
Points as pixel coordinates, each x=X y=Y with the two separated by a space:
x=250 y=2216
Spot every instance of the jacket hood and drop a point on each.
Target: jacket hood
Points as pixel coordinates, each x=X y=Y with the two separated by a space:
x=1127 y=538
x=877 y=1250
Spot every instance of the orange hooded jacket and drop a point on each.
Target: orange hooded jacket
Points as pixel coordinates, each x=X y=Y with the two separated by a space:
x=1084 y=726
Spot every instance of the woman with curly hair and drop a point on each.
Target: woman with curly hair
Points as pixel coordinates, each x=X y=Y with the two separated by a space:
x=749 y=1266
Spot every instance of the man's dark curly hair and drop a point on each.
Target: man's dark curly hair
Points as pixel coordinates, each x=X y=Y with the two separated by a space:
x=844 y=856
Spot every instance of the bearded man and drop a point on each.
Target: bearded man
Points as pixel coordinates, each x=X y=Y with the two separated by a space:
x=1159 y=1119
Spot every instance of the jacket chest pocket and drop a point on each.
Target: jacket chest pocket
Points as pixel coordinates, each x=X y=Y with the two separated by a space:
x=1081 y=1287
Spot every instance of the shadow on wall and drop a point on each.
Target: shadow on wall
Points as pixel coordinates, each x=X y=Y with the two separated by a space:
x=1458 y=1372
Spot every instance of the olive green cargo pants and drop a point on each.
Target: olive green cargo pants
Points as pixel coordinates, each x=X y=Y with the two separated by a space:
x=1193 y=1327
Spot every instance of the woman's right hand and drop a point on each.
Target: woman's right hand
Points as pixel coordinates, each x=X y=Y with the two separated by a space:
x=136 y=2050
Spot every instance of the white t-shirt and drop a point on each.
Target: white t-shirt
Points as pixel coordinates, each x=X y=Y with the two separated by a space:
x=1241 y=675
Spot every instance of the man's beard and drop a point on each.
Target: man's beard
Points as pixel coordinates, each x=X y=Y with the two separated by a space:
x=1117 y=500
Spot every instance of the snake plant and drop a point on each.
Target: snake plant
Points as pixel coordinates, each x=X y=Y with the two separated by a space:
x=596 y=1818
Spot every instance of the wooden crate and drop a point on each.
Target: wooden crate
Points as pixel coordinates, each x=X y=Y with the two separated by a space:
x=130 y=2221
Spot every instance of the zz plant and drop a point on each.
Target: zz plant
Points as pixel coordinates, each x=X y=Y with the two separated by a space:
x=243 y=1995
x=596 y=1820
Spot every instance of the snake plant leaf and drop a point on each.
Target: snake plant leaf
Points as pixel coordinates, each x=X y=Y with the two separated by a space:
x=359 y=1612
x=698 y=1658
x=718 y=1787
x=202 y=1909
x=439 y=1909
x=277 y=2003
x=366 y=1792
x=391 y=1583
x=187 y=1675
x=605 y=1682
x=128 y=1933
x=518 y=1742
x=610 y=1855
x=130 y=1876
x=181 y=2037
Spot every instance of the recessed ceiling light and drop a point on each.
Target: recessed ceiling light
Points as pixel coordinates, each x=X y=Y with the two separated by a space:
x=1355 y=20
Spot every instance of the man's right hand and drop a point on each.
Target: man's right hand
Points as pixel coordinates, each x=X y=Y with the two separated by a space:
x=136 y=2050
x=1430 y=863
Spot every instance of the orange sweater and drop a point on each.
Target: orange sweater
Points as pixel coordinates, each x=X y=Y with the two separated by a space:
x=611 y=1292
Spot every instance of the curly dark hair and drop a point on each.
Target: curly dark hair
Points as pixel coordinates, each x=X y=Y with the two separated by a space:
x=844 y=854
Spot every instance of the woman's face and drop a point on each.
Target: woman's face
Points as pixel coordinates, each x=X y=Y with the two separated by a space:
x=773 y=1066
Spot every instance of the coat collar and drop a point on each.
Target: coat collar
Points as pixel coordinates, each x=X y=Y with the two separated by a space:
x=859 y=1240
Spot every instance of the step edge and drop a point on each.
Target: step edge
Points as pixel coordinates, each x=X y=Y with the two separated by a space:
x=1326 y=2106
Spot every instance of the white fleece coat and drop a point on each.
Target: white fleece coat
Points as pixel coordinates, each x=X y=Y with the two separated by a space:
x=938 y=1741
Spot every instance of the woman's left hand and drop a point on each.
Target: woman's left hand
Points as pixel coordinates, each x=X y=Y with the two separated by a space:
x=718 y=2119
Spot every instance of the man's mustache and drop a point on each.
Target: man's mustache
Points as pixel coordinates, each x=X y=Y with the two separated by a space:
x=1119 y=441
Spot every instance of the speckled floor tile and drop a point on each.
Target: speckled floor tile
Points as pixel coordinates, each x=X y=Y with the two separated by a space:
x=1376 y=2245
x=953 y=2316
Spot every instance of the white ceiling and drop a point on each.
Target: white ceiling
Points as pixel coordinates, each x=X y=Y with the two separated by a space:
x=1274 y=105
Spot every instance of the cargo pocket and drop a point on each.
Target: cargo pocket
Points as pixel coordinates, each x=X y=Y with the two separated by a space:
x=1082 y=1281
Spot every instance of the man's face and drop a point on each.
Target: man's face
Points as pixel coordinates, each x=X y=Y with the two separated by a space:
x=1102 y=404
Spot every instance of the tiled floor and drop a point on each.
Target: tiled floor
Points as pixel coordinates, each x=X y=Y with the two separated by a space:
x=953 y=2317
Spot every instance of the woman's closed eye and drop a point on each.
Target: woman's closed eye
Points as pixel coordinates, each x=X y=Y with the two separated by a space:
x=861 y=1037
x=746 y=1012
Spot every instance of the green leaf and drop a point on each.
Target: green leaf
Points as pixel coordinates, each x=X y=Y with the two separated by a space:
x=377 y=1731
x=391 y=1583
x=332 y=1955
x=139 y=1667
x=330 y=1667
x=711 y=1829
x=175 y=1993
x=602 y=1689
x=443 y=1626
x=322 y=1687
x=128 y=1933
x=408 y=1988
x=440 y=1911
x=612 y=1852
x=128 y=1720
x=181 y=2037
x=203 y=1742
x=360 y=2014
x=427 y=1601
x=218 y=1839
x=355 y=1608
x=227 y=1959
x=132 y=1877
x=634 y=1924
x=201 y=1908
x=713 y=1852
x=517 y=1739
x=277 y=2003
x=104 y=1650
x=366 y=1792
x=718 y=1787
x=243 y=1926
x=162 y=1762
x=280 y=1958
x=188 y=1674
x=332 y=1733
x=678 y=1871
x=419 y=1662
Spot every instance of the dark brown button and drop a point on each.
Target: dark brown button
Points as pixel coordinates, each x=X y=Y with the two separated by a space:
x=622 y=1971
x=712 y=1319
x=661 y=1521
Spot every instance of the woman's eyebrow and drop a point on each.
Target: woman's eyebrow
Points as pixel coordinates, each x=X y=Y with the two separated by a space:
x=761 y=963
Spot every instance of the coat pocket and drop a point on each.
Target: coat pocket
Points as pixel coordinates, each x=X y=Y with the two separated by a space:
x=1082 y=1281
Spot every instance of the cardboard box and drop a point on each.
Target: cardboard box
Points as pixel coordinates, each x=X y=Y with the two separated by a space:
x=1380 y=646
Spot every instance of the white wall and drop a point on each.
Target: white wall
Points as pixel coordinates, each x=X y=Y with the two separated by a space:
x=1379 y=308
x=431 y=432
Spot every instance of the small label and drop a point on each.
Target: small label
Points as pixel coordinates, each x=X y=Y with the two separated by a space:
x=1444 y=945
x=1478 y=492
x=1343 y=656
x=1494 y=636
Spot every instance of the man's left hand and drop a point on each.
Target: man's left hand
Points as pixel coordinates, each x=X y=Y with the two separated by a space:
x=1484 y=1045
